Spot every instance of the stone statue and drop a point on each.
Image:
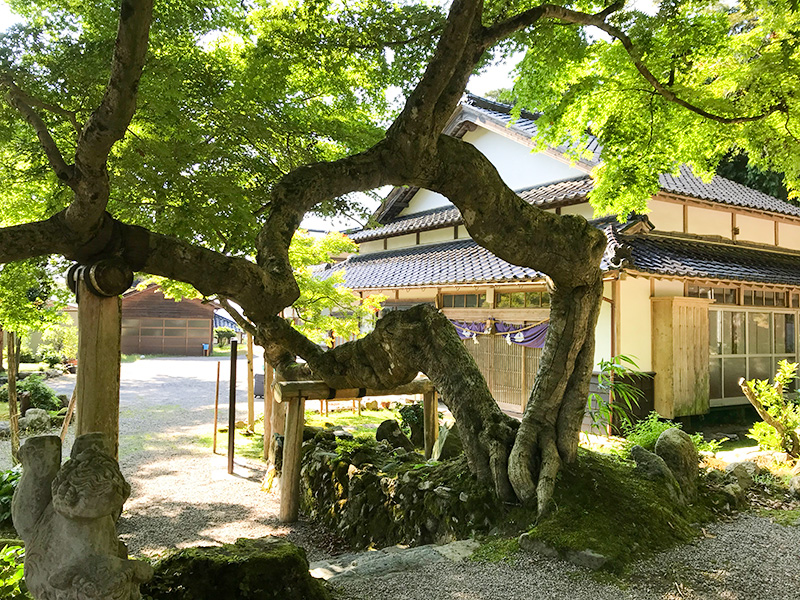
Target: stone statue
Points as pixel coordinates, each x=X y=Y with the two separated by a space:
x=67 y=518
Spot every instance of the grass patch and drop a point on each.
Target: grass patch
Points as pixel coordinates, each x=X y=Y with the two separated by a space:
x=129 y=358
x=246 y=444
x=496 y=550
x=785 y=517
x=601 y=505
x=3 y=411
x=356 y=424
x=32 y=367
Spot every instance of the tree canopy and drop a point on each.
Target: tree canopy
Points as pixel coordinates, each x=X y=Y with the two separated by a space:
x=219 y=125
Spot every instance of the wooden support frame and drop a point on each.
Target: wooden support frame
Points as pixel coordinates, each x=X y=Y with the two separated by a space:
x=293 y=395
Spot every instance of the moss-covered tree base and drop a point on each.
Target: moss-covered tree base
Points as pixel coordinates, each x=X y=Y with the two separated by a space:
x=603 y=506
x=267 y=568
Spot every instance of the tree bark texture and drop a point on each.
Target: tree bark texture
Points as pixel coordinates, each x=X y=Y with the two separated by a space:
x=521 y=461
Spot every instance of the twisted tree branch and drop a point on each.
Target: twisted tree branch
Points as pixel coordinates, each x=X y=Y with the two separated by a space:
x=24 y=104
x=109 y=121
x=493 y=34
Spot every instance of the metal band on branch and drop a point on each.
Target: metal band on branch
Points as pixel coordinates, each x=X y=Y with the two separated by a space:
x=105 y=278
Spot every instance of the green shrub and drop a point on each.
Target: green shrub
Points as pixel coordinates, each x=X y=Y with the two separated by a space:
x=780 y=406
x=41 y=395
x=26 y=355
x=12 y=582
x=766 y=436
x=612 y=382
x=8 y=483
x=59 y=342
x=646 y=432
x=224 y=334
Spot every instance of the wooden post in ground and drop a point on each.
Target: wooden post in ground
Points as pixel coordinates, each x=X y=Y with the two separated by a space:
x=70 y=410
x=99 y=331
x=13 y=411
x=430 y=420
x=267 y=409
x=216 y=411
x=278 y=421
x=292 y=453
x=251 y=410
x=232 y=408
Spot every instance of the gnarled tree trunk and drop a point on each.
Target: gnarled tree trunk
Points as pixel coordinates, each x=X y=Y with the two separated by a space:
x=521 y=463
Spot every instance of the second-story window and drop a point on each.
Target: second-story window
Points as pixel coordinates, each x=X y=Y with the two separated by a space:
x=522 y=300
x=722 y=295
x=763 y=298
x=464 y=301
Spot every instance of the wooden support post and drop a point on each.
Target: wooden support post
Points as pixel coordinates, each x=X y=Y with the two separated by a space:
x=430 y=419
x=99 y=331
x=68 y=417
x=278 y=421
x=292 y=452
x=251 y=411
x=267 y=409
x=13 y=412
x=232 y=408
x=216 y=411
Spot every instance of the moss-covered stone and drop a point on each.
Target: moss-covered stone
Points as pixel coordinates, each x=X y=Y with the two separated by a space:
x=267 y=568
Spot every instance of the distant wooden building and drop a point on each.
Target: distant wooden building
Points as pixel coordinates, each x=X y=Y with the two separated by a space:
x=153 y=324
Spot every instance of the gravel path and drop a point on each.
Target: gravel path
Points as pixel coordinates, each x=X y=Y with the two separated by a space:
x=748 y=559
x=181 y=494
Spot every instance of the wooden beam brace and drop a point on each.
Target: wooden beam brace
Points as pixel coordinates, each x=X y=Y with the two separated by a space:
x=284 y=391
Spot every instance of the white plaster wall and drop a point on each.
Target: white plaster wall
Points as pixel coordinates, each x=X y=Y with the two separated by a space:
x=666 y=216
x=518 y=167
x=602 y=333
x=584 y=209
x=705 y=221
x=401 y=241
x=753 y=229
x=667 y=288
x=425 y=200
x=789 y=236
x=369 y=247
x=421 y=294
x=436 y=235
x=635 y=336
x=463 y=234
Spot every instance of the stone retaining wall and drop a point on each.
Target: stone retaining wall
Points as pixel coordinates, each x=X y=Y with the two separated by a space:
x=373 y=495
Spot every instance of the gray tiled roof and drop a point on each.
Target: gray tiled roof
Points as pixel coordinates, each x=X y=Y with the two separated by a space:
x=697 y=258
x=463 y=261
x=559 y=193
x=422 y=221
x=724 y=191
x=459 y=261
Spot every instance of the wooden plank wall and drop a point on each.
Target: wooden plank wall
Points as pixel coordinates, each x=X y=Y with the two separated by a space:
x=680 y=355
x=510 y=370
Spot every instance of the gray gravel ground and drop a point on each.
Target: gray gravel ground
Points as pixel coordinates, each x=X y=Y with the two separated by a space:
x=182 y=496
x=181 y=492
x=748 y=559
